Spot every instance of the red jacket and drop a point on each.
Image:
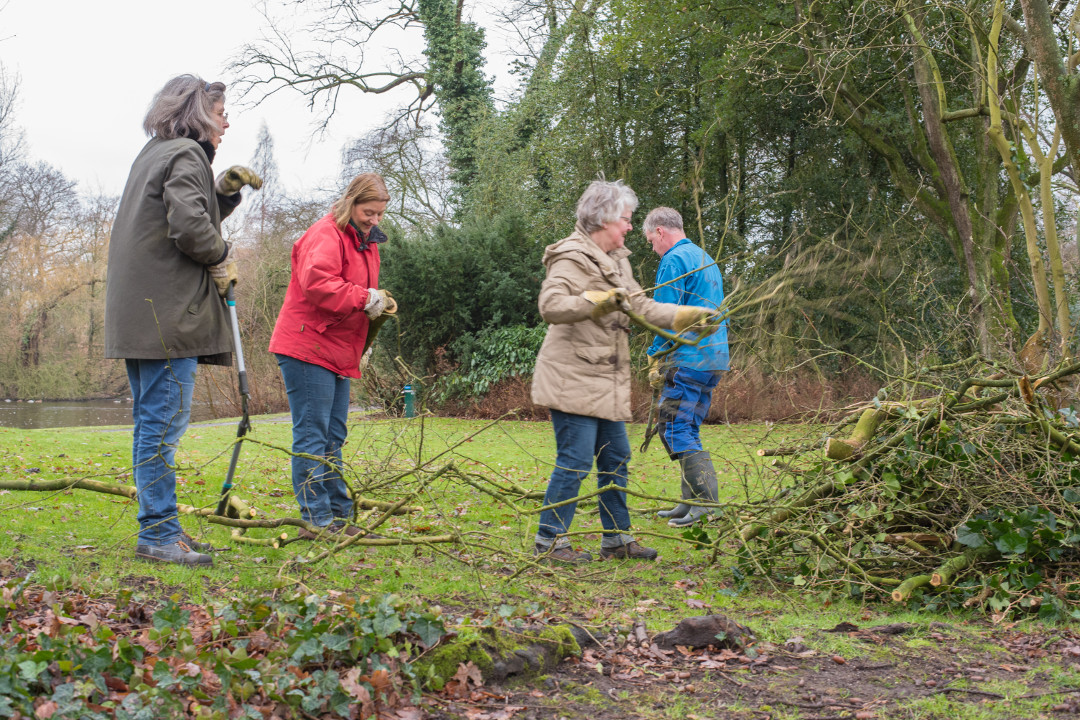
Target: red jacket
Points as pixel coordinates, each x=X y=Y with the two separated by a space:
x=322 y=320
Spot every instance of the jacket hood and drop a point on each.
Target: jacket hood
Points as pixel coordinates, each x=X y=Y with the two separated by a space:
x=579 y=243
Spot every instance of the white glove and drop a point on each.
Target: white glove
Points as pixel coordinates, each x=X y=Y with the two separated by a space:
x=365 y=359
x=375 y=304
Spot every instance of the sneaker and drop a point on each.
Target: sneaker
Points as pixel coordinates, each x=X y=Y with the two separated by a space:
x=564 y=555
x=629 y=551
x=199 y=547
x=179 y=553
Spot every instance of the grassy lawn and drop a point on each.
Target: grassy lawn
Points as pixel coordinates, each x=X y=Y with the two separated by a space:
x=87 y=536
x=76 y=539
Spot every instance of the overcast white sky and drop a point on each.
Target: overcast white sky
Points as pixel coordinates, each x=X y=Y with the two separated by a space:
x=88 y=70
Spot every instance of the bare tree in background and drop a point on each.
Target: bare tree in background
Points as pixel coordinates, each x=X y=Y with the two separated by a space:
x=11 y=153
x=261 y=204
x=449 y=70
x=416 y=172
x=337 y=58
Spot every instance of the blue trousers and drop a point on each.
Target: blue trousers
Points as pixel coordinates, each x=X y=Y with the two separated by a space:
x=684 y=403
x=319 y=403
x=161 y=393
x=579 y=439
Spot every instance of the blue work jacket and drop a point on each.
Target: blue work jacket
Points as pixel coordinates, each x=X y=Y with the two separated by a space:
x=700 y=284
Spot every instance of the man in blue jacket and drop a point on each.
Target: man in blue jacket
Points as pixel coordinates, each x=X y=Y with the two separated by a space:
x=687 y=374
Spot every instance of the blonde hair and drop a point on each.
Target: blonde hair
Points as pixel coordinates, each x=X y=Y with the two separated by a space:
x=184 y=108
x=365 y=187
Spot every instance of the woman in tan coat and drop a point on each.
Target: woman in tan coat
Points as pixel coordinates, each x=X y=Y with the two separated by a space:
x=583 y=370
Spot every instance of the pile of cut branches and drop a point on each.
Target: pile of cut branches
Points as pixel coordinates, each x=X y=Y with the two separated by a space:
x=967 y=493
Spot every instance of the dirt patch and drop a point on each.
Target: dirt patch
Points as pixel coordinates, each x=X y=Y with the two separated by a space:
x=883 y=677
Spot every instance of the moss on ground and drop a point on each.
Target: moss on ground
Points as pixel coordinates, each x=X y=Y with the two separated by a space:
x=489 y=650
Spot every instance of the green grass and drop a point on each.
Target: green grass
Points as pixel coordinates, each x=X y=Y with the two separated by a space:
x=85 y=540
x=82 y=537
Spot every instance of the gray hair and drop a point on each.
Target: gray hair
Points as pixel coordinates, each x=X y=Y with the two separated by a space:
x=603 y=202
x=662 y=217
x=184 y=108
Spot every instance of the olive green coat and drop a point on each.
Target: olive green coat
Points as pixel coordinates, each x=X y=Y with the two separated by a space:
x=584 y=365
x=160 y=301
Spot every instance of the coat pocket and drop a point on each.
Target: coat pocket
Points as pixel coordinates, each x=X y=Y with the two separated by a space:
x=604 y=357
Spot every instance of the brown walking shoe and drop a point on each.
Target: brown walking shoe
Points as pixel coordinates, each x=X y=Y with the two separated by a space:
x=565 y=555
x=630 y=551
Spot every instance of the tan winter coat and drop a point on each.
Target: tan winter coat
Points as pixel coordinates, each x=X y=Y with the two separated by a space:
x=584 y=366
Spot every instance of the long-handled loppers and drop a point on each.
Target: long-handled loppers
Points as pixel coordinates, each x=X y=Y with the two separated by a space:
x=245 y=423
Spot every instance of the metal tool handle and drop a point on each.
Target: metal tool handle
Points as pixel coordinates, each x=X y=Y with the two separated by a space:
x=245 y=424
x=230 y=300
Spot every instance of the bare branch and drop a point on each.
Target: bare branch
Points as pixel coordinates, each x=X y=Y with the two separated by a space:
x=273 y=64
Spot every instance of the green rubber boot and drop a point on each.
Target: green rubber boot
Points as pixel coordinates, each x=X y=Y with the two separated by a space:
x=700 y=475
x=682 y=508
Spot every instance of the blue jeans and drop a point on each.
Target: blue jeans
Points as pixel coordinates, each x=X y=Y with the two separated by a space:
x=579 y=439
x=319 y=403
x=161 y=394
x=684 y=403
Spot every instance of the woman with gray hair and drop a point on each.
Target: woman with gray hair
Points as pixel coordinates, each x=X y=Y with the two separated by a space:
x=168 y=272
x=583 y=370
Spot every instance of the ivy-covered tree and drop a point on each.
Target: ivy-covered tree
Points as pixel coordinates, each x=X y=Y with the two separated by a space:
x=450 y=72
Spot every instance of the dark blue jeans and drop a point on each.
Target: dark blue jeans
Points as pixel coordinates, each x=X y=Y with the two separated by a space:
x=579 y=439
x=161 y=395
x=319 y=403
x=684 y=403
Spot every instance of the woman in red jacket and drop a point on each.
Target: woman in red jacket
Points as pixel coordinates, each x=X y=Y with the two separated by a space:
x=319 y=339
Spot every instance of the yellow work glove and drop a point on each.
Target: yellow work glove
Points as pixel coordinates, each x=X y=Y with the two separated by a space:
x=224 y=275
x=389 y=302
x=687 y=316
x=606 y=301
x=230 y=181
x=656 y=377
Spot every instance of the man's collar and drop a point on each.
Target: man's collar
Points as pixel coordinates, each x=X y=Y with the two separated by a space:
x=675 y=245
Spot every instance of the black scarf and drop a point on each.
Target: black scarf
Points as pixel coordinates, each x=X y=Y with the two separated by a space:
x=206 y=145
x=375 y=237
x=208 y=149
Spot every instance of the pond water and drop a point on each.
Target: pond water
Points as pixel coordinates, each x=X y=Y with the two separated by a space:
x=74 y=413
